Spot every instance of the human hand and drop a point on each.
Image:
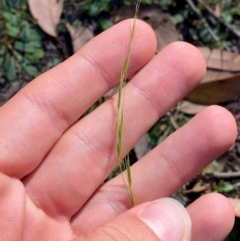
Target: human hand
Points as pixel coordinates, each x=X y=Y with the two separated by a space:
x=52 y=165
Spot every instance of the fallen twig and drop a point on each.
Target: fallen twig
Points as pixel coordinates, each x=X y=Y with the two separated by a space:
x=227 y=25
x=204 y=21
x=223 y=175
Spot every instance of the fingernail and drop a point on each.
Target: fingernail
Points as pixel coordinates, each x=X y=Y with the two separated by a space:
x=168 y=219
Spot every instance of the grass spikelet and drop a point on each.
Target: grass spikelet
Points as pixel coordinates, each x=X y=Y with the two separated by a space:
x=125 y=163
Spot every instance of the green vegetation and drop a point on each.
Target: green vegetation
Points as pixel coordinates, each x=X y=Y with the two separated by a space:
x=20 y=42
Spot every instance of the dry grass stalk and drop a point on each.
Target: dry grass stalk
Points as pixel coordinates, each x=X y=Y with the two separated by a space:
x=125 y=163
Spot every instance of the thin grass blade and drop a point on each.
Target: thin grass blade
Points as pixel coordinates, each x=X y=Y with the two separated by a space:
x=124 y=165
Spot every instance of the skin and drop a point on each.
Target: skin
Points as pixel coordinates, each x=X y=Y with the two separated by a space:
x=52 y=165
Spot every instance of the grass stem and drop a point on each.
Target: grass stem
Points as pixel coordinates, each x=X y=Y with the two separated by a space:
x=124 y=164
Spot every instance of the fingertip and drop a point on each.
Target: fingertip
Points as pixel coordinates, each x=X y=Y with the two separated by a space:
x=212 y=216
x=164 y=215
x=145 y=40
x=111 y=48
x=222 y=204
x=222 y=211
x=225 y=120
x=222 y=123
x=188 y=61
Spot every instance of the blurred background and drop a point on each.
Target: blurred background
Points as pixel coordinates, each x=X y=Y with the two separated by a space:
x=37 y=35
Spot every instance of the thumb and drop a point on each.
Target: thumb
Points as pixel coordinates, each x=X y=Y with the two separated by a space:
x=164 y=219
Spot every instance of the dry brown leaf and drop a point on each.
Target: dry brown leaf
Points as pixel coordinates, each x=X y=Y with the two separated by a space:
x=216 y=75
x=190 y=108
x=236 y=206
x=217 y=91
x=218 y=165
x=221 y=60
x=47 y=13
x=198 y=187
x=222 y=81
x=79 y=35
x=160 y=22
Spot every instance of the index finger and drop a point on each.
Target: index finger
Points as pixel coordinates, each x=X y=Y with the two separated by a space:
x=33 y=120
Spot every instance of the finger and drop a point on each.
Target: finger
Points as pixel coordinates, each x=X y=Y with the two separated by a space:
x=164 y=219
x=12 y=199
x=165 y=169
x=86 y=154
x=33 y=120
x=212 y=217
